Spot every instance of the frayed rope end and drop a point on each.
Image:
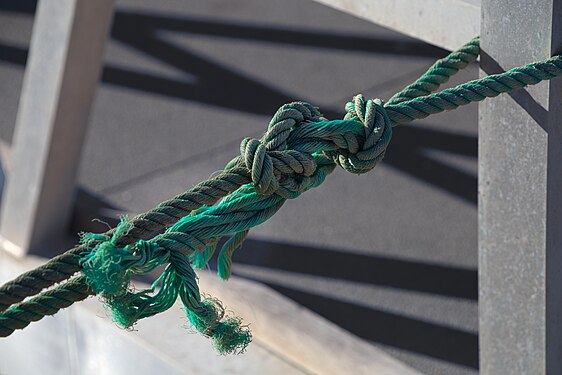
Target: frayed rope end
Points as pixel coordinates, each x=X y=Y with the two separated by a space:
x=124 y=310
x=103 y=267
x=229 y=335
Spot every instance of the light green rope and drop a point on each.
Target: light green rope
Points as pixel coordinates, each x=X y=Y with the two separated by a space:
x=298 y=151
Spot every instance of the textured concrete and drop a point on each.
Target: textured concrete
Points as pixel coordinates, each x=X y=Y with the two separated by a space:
x=83 y=340
x=520 y=208
x=425 y=20
x=61 y=78
x=389 y=256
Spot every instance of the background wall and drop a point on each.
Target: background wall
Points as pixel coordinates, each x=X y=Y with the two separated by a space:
x=389 y=256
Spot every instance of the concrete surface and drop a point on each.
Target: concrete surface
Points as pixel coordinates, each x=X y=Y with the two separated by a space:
x=390 y=256
x=422 y=19
x=83 y=340
x=520 y=206
x=61 y=79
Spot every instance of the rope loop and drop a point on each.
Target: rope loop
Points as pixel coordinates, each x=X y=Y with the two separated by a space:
x=361 y=156
x=288 y=117
x=272 y=169
x=273 y=166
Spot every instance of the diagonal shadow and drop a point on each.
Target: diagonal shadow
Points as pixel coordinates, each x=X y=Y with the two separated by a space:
x=522 y=97
x=262 y=33
x=446 y=281
x=405 y=333
x=215 y=84
x=273 y=34
x=430 y=339
x=446 y=343
x=406 y=153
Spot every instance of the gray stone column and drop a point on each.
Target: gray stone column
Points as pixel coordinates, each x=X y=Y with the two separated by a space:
x=60 y=80
x=520 y=195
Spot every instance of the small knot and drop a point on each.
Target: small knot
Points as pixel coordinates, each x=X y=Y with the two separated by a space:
x=271 y=169
x=260 y=165
x=288 y=117
x=364 y=156
x=108 y=268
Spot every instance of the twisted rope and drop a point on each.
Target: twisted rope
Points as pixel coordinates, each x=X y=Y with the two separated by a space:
x=50 y=302
x=166 y=213
x=298 y=151
x=439 y=72
x=474 y=91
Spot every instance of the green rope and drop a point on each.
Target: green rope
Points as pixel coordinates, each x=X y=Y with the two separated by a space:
x=439 y=73
x=166 y=213
x=474 y=91
x=298 y=151
x=47 y=303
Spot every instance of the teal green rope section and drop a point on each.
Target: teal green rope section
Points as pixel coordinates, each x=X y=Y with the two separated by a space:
x=439 y=73
x=297 y=152
x=474 y=91
x=224 y=262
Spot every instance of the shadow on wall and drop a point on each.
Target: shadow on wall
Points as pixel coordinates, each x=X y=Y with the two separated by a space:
x=406 y=333
x=217 y=85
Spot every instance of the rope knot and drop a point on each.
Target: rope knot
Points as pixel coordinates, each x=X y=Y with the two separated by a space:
x=271 y=170
x=275 y=168
x=260 y=165
x=361 y=157
x=108 y=268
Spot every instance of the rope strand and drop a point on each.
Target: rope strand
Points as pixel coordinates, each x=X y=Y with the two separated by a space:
x=439 y=73
x=165 y=214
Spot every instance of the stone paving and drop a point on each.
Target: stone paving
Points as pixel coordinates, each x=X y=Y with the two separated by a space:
x=390 y=256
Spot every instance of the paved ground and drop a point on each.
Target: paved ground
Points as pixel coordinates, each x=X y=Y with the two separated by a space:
x=391 y=256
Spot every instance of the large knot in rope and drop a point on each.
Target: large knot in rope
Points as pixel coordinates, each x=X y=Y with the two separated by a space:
x=298 y=150
x=360 y=157
x=285 y=158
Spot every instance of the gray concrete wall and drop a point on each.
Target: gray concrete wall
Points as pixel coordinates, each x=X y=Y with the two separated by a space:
x=520 y=208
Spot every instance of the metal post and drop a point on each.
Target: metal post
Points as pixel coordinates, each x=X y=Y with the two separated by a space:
x=60 y=79
x=520 y=196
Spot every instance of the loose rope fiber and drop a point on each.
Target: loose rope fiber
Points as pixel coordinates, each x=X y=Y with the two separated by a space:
x=299 y=149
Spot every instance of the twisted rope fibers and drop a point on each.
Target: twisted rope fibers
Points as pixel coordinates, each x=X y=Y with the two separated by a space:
x=298 y=151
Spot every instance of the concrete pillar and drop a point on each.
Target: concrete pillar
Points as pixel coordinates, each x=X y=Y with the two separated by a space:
x=520 y=196
x=60 y=80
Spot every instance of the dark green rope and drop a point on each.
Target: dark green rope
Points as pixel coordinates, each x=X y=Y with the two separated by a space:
x=474 y=91
x=439 y=73
x=165 y=214
x=47 y=303
x=33 y=282
x=298 y=151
